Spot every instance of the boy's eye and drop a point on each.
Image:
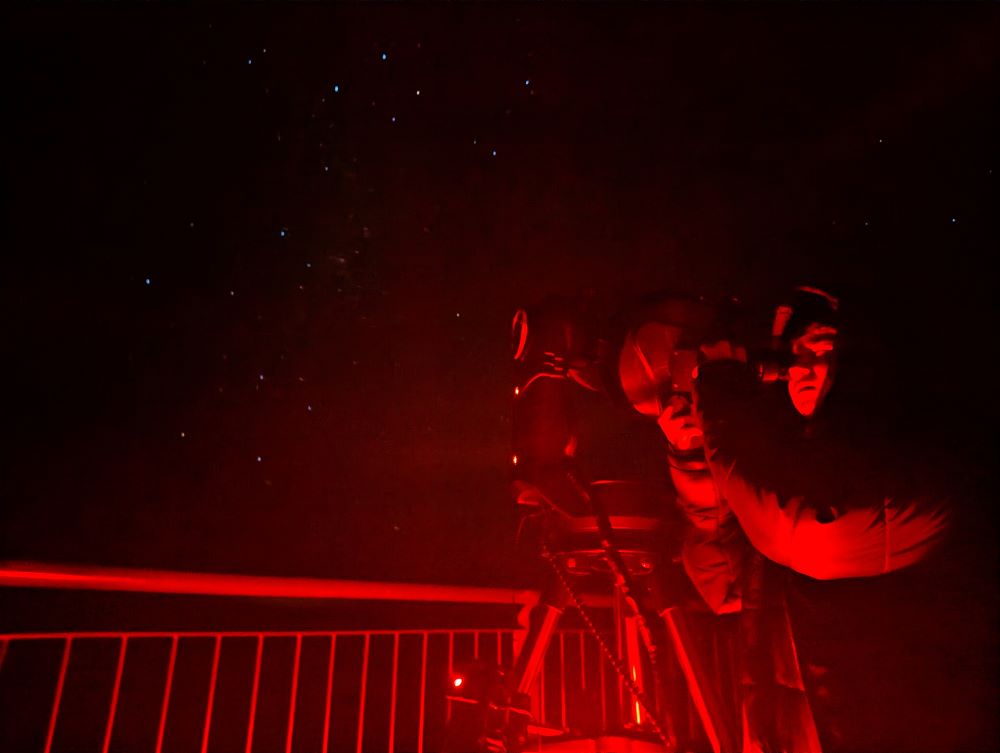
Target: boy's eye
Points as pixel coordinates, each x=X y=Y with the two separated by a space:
x=820 y=348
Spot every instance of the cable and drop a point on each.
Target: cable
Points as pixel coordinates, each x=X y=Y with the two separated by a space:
x=633 y=687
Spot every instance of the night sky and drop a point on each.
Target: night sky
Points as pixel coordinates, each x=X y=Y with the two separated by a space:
x=261 y=260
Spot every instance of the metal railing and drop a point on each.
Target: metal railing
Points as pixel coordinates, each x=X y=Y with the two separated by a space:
x=264 y=690
x=114 y=651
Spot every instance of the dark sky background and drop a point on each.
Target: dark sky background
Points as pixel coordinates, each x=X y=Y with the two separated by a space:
x=261 y=260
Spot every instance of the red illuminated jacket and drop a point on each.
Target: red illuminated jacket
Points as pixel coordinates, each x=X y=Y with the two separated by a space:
x=823 y=509
x=714 y=547
x=904 y=660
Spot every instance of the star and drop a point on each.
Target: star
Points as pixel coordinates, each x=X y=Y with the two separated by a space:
x=494 y=152
x=336 y=88
x=384 y=56
x=149 y=281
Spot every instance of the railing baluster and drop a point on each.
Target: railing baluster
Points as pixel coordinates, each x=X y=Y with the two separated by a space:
x=392 y=698
x=499 y=649
x=583 y=663
x=364 y=689
x=166 y=693
x=67 y=649
x=114 y=694
x=451 y=654
x=451 y=672
x=562 y=679
x=206 y=728
x=253 y=693
x=601 y=659
x=295 y=688
x=475 y=645
x=541 y=691
x=423 y=694
x=329 y=693
x=3 y=652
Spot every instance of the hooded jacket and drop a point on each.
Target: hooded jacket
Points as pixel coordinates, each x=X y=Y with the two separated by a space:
x=855 y=539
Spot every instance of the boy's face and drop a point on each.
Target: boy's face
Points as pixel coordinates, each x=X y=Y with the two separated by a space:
x=811 y=374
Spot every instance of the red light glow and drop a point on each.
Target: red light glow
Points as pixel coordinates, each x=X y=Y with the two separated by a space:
x=457 y=682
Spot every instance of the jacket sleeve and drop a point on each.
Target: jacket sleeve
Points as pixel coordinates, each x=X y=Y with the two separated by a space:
x=838 y=530
x=713 y=562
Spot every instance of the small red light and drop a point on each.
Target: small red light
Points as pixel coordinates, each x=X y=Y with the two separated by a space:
x=517 y=391
x=458 y=682
x=514 y=460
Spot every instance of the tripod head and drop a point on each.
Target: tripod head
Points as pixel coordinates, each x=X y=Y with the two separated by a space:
x=641 y=518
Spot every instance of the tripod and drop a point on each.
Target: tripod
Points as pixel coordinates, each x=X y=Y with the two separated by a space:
x=629 y=544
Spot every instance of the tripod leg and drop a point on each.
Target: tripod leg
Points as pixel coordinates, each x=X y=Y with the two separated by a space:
x=541 y=625
x=704 y=692
x=482 y=726
x=633 y=662
x=638 y=627
x=542 y=622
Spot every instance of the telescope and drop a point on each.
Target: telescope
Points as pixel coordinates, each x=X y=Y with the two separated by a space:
x=609 y=531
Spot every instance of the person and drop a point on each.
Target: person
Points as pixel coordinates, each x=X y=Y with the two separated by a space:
x=804 y=517
x=655 y=367
x=843 y=648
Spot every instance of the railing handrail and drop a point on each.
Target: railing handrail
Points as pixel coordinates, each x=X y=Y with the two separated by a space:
x=94 y=578
x=346 y=633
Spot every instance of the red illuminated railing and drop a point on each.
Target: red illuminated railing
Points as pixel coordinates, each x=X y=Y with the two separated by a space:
x=33 y=575
x=266 y=690
x=67 y=644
